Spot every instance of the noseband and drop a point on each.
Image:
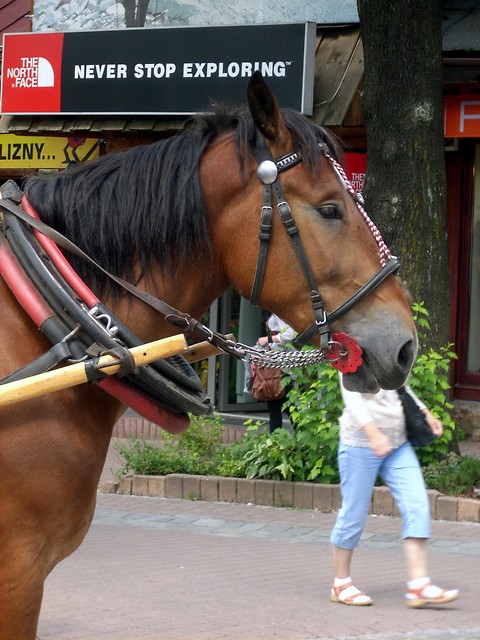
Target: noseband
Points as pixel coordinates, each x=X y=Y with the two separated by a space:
x=268 y=173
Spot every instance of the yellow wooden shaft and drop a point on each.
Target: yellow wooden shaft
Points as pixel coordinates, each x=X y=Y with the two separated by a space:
x=75 y=374
x=203 y=350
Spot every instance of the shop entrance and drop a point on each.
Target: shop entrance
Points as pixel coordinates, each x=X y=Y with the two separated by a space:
x=226 y=375
x=463 y=175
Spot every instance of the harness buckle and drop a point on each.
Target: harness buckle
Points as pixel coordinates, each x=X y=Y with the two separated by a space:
x=320 y=322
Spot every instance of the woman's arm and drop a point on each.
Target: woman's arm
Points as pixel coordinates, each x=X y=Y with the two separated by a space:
x=434 y=423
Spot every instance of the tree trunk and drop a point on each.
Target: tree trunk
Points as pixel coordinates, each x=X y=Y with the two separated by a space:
x=405 y=184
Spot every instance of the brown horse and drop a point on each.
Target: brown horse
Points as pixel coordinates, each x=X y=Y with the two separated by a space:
x=180 y=218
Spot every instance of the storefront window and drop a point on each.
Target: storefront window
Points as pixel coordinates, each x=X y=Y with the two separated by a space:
x=473 y=355
x=239 y=317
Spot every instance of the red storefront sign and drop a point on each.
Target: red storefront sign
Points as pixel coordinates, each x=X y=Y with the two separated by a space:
x=32 y=72
x=355 y=165
x=461 y=116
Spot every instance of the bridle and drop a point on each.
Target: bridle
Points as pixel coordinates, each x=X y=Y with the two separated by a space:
x=268 y=173
x=331 y=347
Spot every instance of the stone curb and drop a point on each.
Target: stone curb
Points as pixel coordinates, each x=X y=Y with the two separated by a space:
x=275 y=493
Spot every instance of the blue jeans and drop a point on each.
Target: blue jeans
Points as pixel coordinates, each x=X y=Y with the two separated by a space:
x=400 y=471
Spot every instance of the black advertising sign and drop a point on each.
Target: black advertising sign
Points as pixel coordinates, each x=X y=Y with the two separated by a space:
x=155 y=71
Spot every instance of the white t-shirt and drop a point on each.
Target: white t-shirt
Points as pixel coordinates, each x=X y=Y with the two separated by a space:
x=385 y=408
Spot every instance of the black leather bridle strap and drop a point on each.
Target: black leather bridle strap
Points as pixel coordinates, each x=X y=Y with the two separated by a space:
x=266 y=218
x=321 y=321
x=391 y=267
x=263 y=156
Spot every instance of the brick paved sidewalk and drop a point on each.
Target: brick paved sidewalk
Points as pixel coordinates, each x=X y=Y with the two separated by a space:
x=162 y=569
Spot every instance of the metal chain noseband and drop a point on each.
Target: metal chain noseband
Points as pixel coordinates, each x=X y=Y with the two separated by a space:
x=288 y=359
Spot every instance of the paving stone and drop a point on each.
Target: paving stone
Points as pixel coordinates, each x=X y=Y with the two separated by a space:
x=323 y=497
x=245 y=491
x=303 y=495
x=140 y=485
x=383 y=503
x=469 y=510
x=283 y=494
x=125 y=486
x=209 y=488
x=227 y=490
x=264 y=492
x=174 y=486
x=156 y=486
x=190 y=487
x=447 y=508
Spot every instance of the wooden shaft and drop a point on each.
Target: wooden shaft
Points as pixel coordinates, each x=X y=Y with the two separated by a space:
x=75 y=374
x=203 y=350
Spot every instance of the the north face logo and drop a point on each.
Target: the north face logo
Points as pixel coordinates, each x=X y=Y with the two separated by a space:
x=33 y=72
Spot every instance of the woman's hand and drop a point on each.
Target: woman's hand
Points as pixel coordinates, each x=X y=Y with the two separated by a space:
x=434 y=423
x=263 y=341
x=379 y=442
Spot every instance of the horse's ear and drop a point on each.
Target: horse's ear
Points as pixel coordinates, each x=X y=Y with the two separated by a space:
x=266 y=113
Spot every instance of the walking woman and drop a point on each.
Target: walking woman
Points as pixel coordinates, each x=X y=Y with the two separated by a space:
x=373 y=443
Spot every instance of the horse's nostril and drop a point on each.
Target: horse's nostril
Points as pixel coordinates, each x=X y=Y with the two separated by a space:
x=406 y=355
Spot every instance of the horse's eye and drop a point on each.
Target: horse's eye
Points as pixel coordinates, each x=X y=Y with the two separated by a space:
x=329 y=211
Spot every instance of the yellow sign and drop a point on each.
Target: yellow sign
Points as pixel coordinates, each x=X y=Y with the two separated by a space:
x=36 y=152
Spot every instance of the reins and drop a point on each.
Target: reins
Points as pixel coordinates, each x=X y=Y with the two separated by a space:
x=332 y=348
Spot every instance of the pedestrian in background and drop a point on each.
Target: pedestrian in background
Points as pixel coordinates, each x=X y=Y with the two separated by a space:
x=280 y=334
x=373 y=443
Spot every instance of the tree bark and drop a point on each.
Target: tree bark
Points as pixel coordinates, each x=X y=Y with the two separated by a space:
x=405 y=188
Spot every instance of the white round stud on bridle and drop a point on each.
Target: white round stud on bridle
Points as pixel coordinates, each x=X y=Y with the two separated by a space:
x=267 y=172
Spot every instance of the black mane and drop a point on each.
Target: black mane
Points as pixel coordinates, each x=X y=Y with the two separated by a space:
x=146 y=203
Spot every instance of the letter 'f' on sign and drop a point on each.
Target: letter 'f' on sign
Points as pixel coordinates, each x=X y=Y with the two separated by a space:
x=464 y=115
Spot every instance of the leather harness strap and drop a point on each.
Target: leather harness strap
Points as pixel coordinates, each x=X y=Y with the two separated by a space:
x=267 y=172
x=182 y=320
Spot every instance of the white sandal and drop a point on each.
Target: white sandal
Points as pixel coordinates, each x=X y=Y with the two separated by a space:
x=355 y=598
x=418 y=597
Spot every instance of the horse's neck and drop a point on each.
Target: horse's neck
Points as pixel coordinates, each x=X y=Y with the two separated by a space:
x=191 y=288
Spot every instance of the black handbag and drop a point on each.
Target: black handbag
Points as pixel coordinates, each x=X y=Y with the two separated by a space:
x=419 y=433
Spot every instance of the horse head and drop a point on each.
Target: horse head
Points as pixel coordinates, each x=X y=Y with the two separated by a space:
x=339 y=244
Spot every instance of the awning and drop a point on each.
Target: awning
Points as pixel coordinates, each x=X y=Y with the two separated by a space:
x=338 y=75
x=61 y=125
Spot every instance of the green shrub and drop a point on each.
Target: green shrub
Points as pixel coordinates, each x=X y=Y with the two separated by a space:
x=196 y=451
x=309 y=454
x=315 y=405
x=263 y=455
x=454 y=475
x=429 y=380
